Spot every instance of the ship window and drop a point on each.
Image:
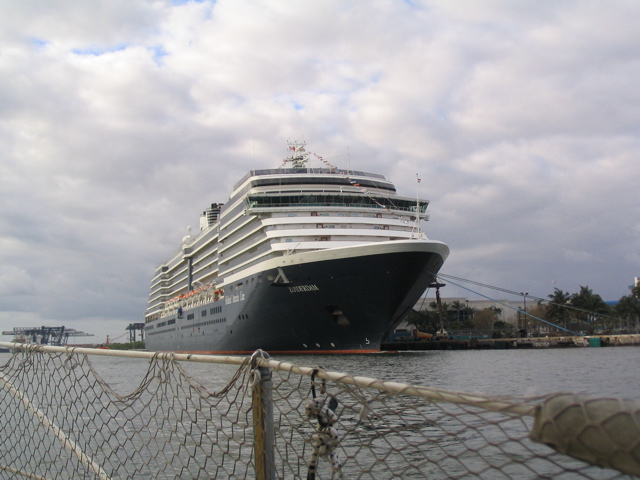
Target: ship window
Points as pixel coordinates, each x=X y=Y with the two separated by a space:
x=328 y=200
x=203 y=313
x=171 y=322
x=324 y=239
x=191 y=316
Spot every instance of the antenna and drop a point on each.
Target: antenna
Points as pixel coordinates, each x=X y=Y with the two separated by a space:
x=299 y=156
x=417 y=226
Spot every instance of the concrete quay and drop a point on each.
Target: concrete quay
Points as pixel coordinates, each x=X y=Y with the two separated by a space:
x=514 y=343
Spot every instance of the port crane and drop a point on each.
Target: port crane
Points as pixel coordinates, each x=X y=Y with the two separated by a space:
x=132 y=328
x=56 y=336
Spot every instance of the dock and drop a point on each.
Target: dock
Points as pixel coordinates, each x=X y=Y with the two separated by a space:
x=513 y=343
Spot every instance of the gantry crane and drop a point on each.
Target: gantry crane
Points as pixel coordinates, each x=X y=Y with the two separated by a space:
x=56 y=336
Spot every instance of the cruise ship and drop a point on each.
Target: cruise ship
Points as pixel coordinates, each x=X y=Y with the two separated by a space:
x=298 y=260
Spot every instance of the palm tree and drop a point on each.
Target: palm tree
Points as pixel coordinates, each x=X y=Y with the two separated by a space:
x=590 y=306
x=458 y=306
x=628 y=307
x=558 y=308
x=445 y=308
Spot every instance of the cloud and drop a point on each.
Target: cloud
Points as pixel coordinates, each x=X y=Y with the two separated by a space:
x=121 y=122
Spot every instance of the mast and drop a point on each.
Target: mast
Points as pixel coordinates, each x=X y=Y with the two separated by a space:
x=417 y=230
x=299 y=156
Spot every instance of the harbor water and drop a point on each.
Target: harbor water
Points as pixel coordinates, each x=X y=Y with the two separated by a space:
x=609 y=371
x=602 y=372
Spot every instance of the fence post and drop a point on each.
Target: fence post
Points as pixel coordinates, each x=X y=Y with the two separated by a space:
x=262 y=408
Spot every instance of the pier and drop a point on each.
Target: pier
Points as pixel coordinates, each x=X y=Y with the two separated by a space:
x=512 y=343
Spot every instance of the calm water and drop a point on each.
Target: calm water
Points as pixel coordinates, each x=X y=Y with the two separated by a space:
x=612 y=371
x=595 y=371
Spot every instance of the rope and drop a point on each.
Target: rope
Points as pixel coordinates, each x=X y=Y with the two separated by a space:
x=173 y=426
x=178 y=357
x=325 y=440
x=494 y=404
x=512 y=292
x=509 y=306
x=54 y=429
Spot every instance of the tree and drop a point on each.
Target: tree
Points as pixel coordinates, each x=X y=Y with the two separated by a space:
x=458 y=306
x=558 y=308
x=424 y=320
x=628 y=307
x=589 y=306
x=485 y=318
x=445 y=312
x=502 y=329
x=536 y=311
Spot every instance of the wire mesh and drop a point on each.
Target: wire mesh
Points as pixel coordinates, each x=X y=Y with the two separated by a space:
x=60 y=419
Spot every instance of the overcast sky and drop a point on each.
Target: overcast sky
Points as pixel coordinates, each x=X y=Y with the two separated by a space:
x=121 y=121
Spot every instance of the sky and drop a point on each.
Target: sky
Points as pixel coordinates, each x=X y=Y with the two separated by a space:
x=121 y=121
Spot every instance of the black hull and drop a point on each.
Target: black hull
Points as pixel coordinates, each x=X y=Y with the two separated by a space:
x=342 y=305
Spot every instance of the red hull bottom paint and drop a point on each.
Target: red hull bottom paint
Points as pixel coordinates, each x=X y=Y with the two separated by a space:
x=287 y=352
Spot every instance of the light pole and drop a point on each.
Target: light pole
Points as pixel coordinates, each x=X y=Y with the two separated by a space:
x=526 y=320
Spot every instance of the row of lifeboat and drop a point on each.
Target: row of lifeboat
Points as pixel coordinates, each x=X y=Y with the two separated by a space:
x=193 y=296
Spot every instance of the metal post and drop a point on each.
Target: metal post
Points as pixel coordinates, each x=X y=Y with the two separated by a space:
x=437 y=286
x=262 y=407
x=526 y=318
